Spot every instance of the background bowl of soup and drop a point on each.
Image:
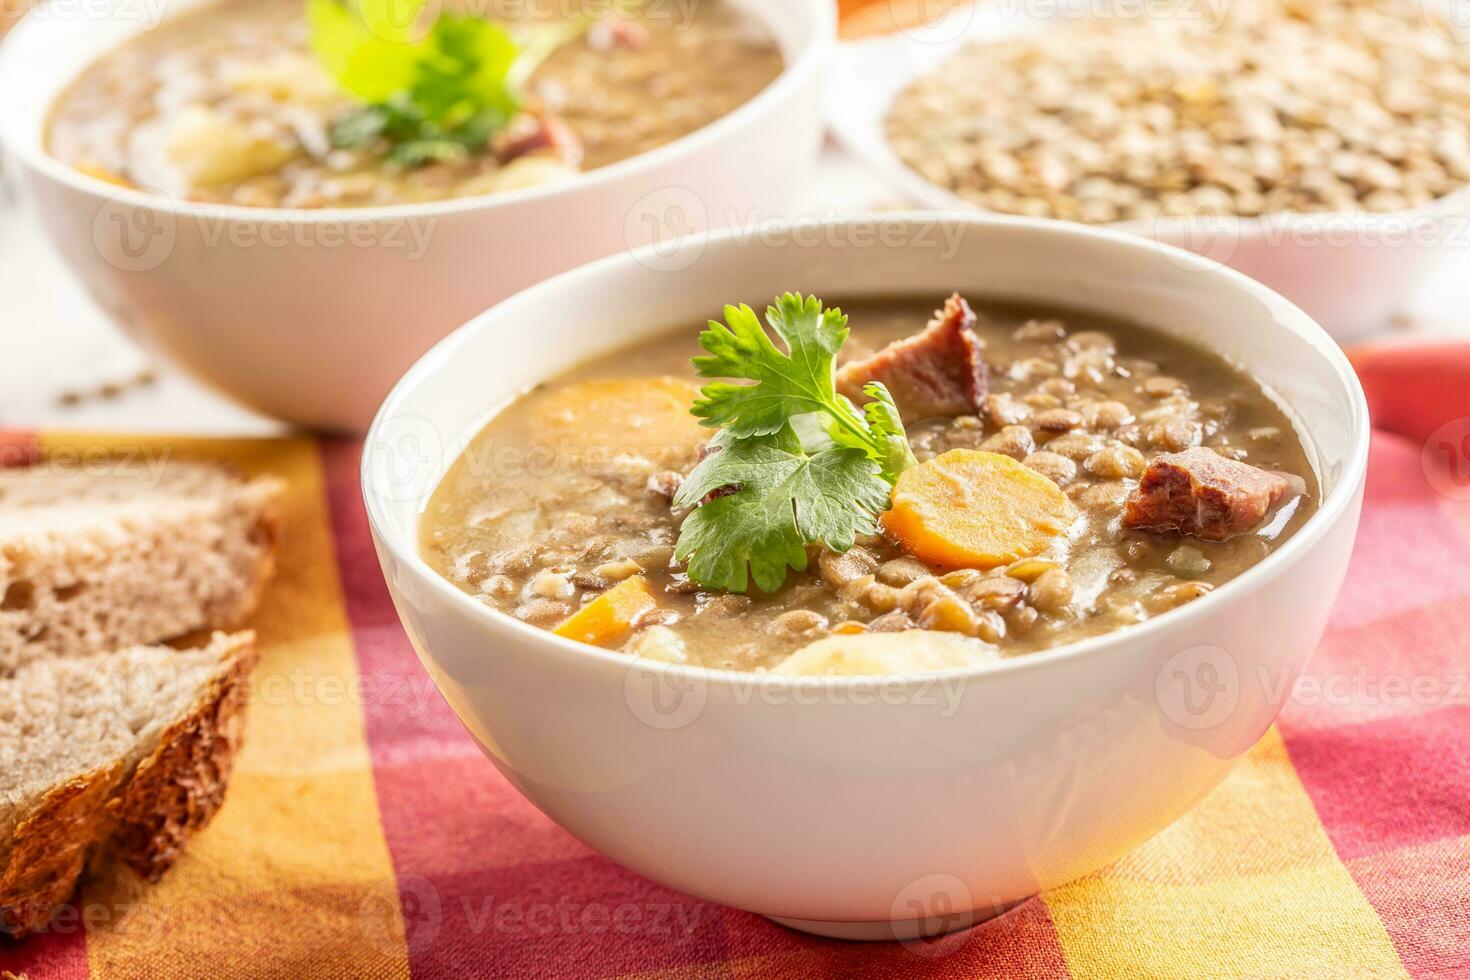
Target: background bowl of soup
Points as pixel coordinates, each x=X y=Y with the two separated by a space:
x=872 y=807
x=310 y=312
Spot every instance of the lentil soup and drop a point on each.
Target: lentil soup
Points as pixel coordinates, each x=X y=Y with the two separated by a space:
x=227 y=104
x=1129 y=473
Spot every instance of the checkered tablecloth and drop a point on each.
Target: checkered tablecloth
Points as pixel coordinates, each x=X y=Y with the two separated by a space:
x=366 y=836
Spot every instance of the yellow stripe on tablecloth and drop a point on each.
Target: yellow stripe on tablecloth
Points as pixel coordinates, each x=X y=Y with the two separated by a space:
x=1199 y=901
x=293 y=877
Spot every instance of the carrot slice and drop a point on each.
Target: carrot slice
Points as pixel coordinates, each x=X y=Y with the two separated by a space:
x=972 y=509
x=102 y=173
x=611 y=616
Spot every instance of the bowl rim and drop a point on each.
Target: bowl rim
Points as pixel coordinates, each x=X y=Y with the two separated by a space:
x=810 y=59
x=1332 y=508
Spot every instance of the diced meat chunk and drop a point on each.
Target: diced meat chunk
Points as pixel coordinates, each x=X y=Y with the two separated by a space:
x=538 y=132
x=939 y=372
x=1202 y=493
x=616 y=32
x=665 y=483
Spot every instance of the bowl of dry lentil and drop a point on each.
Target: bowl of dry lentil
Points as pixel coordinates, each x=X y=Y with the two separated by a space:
x=1321 y=148
x=966 y=780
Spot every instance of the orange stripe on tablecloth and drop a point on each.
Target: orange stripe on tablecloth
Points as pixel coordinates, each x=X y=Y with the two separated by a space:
x=1204 y=899
x=289 y=879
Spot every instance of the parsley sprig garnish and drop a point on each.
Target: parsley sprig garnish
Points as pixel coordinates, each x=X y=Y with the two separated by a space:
x=431 y=95
x=809 y=466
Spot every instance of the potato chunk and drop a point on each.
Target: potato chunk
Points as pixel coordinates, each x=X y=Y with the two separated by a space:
x=909 y=652
x=206 y=147
x=973 y=509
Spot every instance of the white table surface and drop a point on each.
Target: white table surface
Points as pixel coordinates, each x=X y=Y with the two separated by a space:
x=52 y=339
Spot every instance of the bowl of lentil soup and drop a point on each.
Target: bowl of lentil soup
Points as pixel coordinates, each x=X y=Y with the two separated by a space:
x=1306 y=145
x=599 y=570
x=294 y=215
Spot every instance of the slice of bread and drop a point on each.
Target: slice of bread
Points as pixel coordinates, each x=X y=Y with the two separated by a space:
x=99 y=558
x=119 y=756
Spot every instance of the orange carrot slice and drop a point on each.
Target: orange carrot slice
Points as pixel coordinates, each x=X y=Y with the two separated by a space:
x=973 y=509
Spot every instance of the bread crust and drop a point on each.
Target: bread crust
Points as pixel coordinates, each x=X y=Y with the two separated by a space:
x=142 y=816
x=176 y=791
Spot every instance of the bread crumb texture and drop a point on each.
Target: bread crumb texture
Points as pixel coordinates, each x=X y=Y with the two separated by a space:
x=136 y=554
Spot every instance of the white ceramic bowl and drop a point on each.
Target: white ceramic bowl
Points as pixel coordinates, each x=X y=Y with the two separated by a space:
x=312 y=315
x=855 y=807
x=1350 y=272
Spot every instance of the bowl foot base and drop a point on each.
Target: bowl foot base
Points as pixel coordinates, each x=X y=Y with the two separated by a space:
x=902 y=930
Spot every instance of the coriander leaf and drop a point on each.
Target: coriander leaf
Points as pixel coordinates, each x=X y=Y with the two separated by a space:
x=458 y=82
x=791 y=382
x=786 y=499
x=416 y=153
x=838 y=495
x=881 y=414
x=359 y=128
x=371 y=63
x=846 y=426
x=812 y=430
x=758 y=463
x=464 y=70
x=729 y=541
x=795 y=462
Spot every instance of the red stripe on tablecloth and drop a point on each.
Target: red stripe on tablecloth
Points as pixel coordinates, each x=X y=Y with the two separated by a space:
x=18 y=447
x=57 y=955
x=489 y=885
x=1413 y=389
x=1379 y=729
x=1422 y=894
x=1368 y=672
x=1389 y=784
x=1409 y=554
x=1020 y=943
